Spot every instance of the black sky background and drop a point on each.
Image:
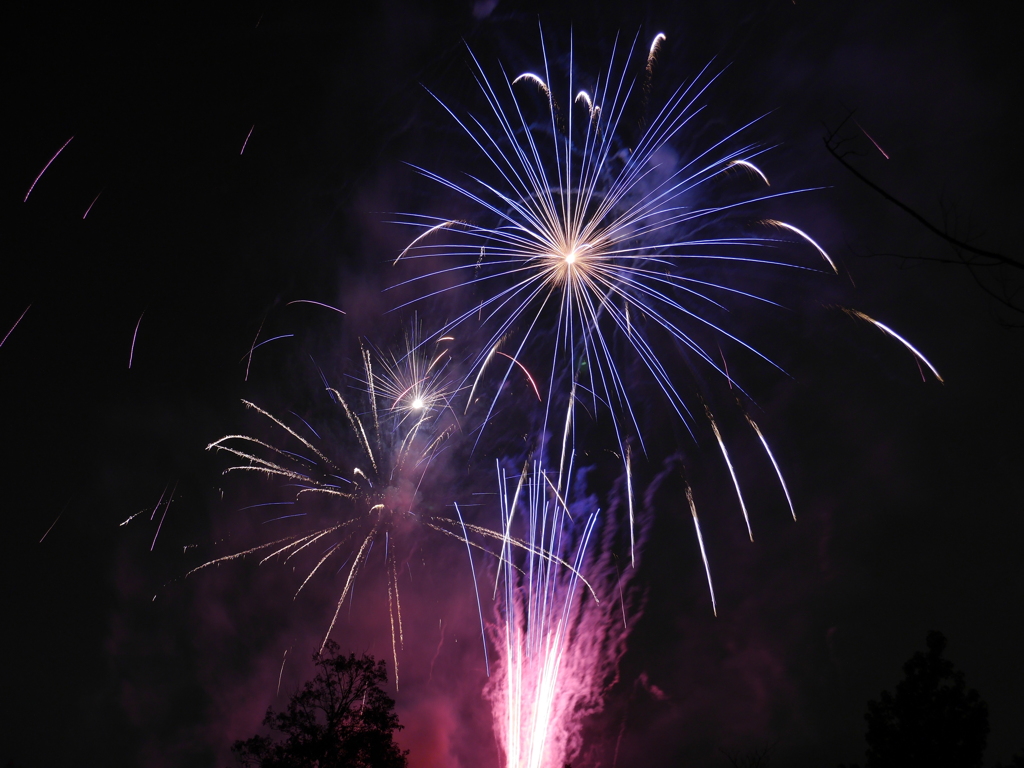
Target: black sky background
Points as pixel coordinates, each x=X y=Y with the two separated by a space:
x=908 y=492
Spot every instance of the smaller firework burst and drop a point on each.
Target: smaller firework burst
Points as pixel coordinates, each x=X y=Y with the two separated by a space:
x=399 y=420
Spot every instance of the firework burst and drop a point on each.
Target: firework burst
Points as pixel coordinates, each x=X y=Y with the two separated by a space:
x=591 y=251
x=399 y=421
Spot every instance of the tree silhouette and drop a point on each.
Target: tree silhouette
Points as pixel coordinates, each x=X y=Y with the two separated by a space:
x=341 y=718
x=932 y=720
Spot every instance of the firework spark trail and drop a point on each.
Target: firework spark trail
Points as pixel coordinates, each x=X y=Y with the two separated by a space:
x=889 y=331
x=135 y=335
x=558 y=644
x=16 y=322
x=317 y=303
x=246 y=142
x=775 y=464
x=92 y=204
x=703 y=552
x=732 y=474
x=37 y=178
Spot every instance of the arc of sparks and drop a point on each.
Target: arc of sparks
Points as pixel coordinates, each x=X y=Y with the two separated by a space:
x=703 y=552
x=877 y=146
x=528 y=376
x=317 y=303
x=751 y=167
x=732 y=474
x=536 y=79
x=92 y=204
x=265 y=341
x=135 y=335
x=430 y=231
x=44 y=170
x=655 y=45
x=805 y=236
x=886 y=329
x=246 y=142
x=59 y=514
x=778 y=470
x=476 y=588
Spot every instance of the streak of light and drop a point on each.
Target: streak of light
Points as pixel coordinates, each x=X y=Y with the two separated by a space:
x=778 y=470
x=751 y=167
x=655 y=45
x=92 y=204
x=251 y=348
x=281 y=672
x=244 y=143
x=159 y=502
x=806 y=237
x=432 y=230
x=15 y=324
x=528 y=376
x=167 y=506
x=886 y=329
x=265 y=341
x=267 y=504
x=293 y=413
x=732 y=473
x=629 y=496
x=55 y=521
x=725 y=366
x=536 y=79
x=703 y=552
x=131 y=352
x=130 y=518
x=44 y=170
x=317 y=303
x=879 y=148
x=476 y=590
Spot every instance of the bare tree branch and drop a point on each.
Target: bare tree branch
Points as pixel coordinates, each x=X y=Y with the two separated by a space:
x=1007 y=293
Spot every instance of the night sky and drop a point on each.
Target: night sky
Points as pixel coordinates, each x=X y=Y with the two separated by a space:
x=908 y=491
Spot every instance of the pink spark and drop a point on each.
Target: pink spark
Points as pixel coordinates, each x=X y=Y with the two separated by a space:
x=244 y=143
x=92 y=204
x=15 y=324
x=44 y=170
x=54 y=522
x=725 y=365
x=528 y=376
x=162 y=517
x=131 y=352
x=318 y=303
x=884 y=154
x=253 y=347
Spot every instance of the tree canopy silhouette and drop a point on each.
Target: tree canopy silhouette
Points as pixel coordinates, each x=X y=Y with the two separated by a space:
x=341 y=718
x=932 y=720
